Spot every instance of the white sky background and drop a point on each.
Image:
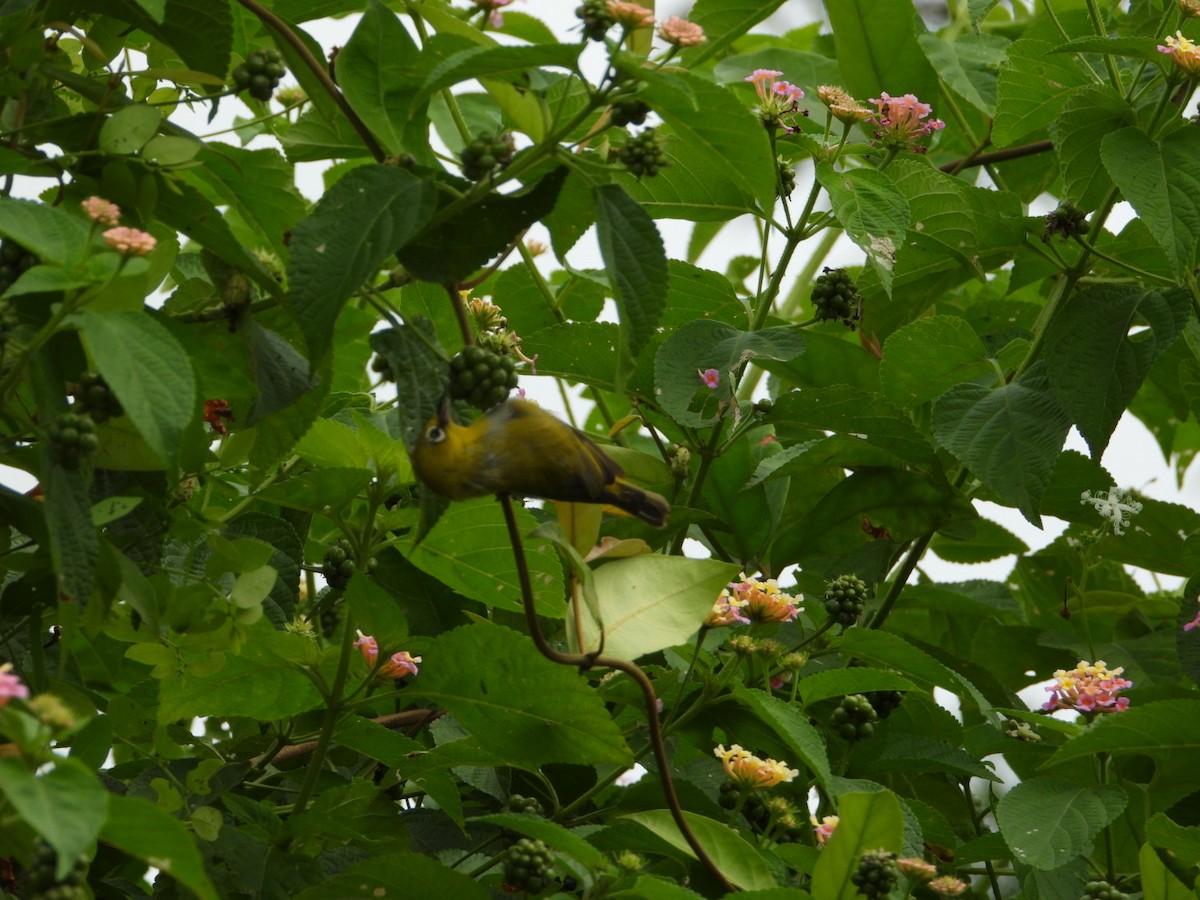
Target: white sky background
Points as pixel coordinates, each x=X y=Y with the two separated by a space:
x=1133 y=457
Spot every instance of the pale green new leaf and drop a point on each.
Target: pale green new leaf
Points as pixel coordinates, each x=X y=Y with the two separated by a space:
x=65 y=805
x=866 y=822
x=141 y=829
x=648 y=603
x=738 y=861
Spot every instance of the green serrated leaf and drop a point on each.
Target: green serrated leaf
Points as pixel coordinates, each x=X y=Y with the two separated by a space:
x=850 y=411
x=462 y=243
x=716 y=126
x=376 y=73
x=873 y=211
x=150 y=373
x=66 y=805
x=989 y=541
x=923 y=360
x=256 y=681
x=1095 y=368
x=1048 y=822
x=705 y=344
x=469 y=550
x=359 y=222
x=1160 y=180
x=517 y=703
x=44 y=230
x=420 y=373
x=636 y=262
x=794 y=729
x=877 y=49
x=1034 y=86
x=1009 y=437
x=1089 y=116
x=258 y=184
x=201 y=32
x=968 y=65
x=1162 y=727
x=74 y=546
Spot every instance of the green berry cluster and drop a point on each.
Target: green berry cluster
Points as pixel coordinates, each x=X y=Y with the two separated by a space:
x=629 y=111
x=529 y=866
x=876 y=874
x=643 y=154
x=845 y=597
x=1102 y=890
x=519 y=803
x=14 y=259
x=339 y=564
x=885 y=702
x=836 y=298
x=42 y=883
x=481 y=377
x=72 y=439
x=486 y=153
x=787 y=178
x=260 y=73
x=95 y=398
x=329 y=618
x=855 y=718
x=596 y=19
x=1065 y=221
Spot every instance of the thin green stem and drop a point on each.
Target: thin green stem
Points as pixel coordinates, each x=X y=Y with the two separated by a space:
x=915 y=552
x=1114 y=76
x=319 y=71
x=333 y=710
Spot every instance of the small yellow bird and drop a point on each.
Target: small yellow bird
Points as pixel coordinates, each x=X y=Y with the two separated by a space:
x=518 y=448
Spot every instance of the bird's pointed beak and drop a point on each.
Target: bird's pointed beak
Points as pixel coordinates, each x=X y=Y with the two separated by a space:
x=445 y=410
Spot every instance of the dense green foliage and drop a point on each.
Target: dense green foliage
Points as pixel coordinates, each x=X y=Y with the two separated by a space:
x=251 y=657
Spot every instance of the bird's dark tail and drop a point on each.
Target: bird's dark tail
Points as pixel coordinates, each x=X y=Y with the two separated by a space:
x=646 y=505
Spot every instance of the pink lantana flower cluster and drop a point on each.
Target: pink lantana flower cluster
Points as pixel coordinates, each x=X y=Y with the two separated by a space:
x=778 y=101
x=903 y=121
x=1184 y=52
x=399 y=665
x=749 y=772
x=11 y=687
x=752 y=600
x=101 y=211
x=1088 y=688
x=130 y=241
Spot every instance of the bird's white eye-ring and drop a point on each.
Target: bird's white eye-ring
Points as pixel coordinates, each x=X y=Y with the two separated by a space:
x=435 y=434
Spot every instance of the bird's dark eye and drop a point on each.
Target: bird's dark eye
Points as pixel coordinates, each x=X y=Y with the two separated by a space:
x=435 y=434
